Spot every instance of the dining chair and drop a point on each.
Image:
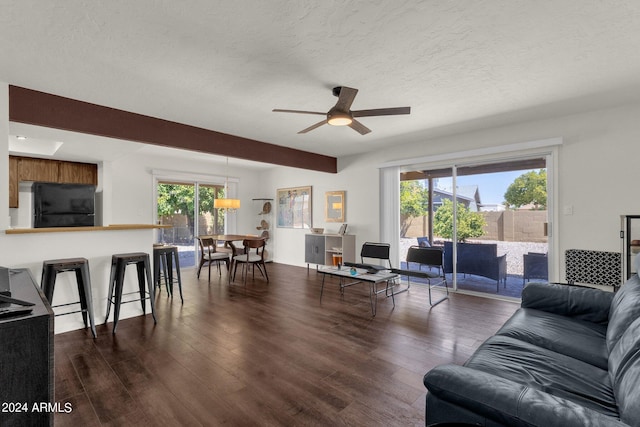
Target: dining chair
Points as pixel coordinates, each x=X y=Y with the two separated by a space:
x=253 y=255
x=210 y=255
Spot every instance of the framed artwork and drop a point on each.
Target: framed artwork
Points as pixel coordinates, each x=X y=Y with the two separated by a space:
x=294 y=207
x=334 y=206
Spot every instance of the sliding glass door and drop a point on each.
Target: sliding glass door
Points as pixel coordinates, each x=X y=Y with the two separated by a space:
x=188 y=208
x=489 y=219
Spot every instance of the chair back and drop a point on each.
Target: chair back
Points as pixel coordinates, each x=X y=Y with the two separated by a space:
x=425 y=256
x=257 y=244
x=207 y=245
x=375 y=251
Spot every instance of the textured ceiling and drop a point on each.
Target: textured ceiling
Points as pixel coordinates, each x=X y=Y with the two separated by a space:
x=224 y=66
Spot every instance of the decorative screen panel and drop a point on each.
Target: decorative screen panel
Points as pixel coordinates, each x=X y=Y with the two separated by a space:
x=593 y=267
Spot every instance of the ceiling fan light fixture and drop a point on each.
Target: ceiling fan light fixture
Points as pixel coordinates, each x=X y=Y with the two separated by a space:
x=339 y=119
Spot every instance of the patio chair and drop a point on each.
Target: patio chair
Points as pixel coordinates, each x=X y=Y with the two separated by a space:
x=536 y=266
x=423 y=242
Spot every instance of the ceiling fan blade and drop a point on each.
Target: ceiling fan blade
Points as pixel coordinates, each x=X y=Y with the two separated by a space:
x=382 y=112
x=345 y=99
x=359 y=127
x=277 y=110
x=310 y=128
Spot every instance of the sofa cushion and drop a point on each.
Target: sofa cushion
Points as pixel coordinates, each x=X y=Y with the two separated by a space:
x=547 y=371
x=575 y=338
x=578 y=302
x=625 y=309
x=458 y=396
x=624 y=369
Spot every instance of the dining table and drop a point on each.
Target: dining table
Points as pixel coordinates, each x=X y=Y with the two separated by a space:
x=228 y=240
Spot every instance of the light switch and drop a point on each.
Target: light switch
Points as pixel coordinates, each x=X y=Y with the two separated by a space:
x=568 y=210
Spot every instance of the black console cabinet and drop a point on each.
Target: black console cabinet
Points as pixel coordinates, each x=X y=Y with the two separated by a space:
x=26 y=358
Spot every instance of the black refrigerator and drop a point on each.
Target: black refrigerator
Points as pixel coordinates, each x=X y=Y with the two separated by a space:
x=63 y=205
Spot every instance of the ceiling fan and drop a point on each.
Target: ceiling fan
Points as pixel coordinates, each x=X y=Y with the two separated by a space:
x=341 y=115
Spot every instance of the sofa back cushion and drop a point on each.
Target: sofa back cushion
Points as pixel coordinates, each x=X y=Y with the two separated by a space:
x=625 y=309
x=624 y=371
x=472 y=257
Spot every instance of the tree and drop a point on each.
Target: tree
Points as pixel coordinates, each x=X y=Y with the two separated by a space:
x=179 y=199
x=470 y=224
x=528 y=188
x=414 y=198
x=414 y=201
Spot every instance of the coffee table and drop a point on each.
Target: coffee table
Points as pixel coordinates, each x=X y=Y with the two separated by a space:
x=361 y=276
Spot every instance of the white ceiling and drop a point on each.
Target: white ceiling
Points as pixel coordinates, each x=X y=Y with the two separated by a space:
x=224 y=65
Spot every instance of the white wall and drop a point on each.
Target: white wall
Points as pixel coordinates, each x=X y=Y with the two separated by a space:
x=357 y=176
x=132 y=183
x=596 y=172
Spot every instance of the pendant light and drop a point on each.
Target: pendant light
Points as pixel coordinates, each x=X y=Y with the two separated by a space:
x=225 y=203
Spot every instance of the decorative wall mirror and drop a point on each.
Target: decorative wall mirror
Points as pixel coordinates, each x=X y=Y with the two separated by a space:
x=334 y=206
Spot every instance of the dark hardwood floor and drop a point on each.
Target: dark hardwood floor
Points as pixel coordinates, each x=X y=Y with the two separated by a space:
x=269 y=354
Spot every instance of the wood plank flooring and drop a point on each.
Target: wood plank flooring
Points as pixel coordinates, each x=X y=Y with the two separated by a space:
x=269 y=354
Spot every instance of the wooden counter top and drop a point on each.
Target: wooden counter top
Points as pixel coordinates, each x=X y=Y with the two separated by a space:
x=98 y=228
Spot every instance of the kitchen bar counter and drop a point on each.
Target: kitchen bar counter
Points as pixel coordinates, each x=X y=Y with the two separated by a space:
x=28 y=248
x=96 y=228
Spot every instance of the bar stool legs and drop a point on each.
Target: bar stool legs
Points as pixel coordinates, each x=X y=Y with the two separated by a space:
x=164 y=259
x=80 y=266
x=119 y=263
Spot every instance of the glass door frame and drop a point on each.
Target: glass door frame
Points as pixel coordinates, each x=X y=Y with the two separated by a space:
x=549 y=150
x=196 y=181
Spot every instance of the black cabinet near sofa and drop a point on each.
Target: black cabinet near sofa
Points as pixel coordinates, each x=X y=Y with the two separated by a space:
x=26 y=358
x=630 y=234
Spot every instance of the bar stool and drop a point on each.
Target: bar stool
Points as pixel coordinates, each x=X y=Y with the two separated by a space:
x=80 y=266
x=165 y=257
x=119 y=263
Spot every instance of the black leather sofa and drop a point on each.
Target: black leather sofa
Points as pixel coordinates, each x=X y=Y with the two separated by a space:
x=480 y=259
x=569 y=357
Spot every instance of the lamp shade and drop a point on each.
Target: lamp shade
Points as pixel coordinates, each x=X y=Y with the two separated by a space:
x=226 y=203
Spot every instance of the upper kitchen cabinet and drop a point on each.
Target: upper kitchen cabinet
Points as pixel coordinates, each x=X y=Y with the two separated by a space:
x=42 y=170
x=45 y=170
x=77 y=173
x=13 y=182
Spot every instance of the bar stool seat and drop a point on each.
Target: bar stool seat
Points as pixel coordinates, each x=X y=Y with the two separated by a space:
x=165 y=257
x=80 y=266
x=119 y=263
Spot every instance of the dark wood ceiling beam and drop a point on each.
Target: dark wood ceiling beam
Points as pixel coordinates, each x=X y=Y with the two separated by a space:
x=42 y=109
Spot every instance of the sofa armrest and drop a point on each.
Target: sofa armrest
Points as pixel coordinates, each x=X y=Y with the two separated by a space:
x=588 y=304
x=508 y=402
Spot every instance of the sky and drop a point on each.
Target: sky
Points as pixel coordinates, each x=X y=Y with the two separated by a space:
x=491 y=186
